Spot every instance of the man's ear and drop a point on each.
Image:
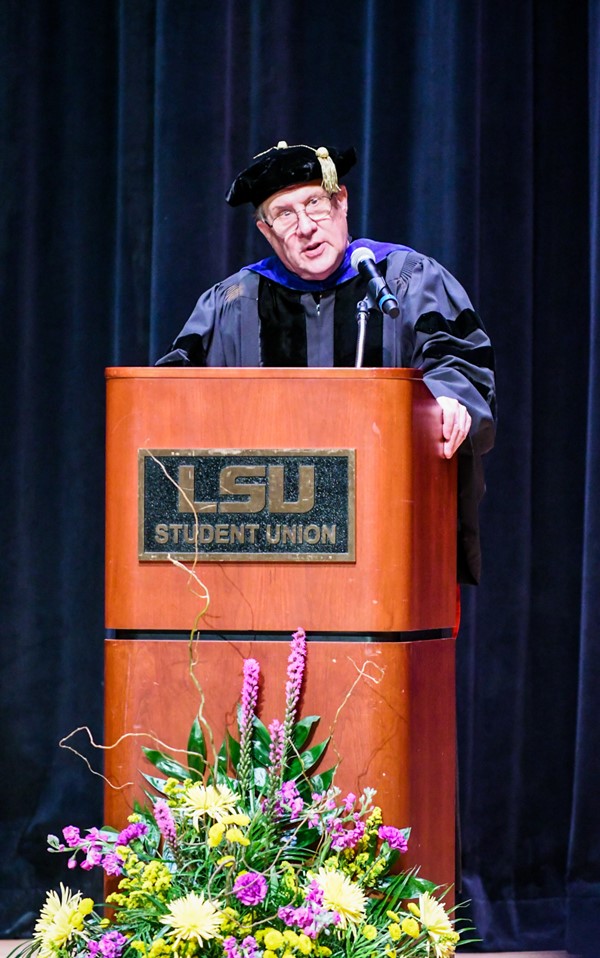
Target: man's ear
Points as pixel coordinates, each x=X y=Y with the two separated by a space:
x=266 y=231
x=341 y=198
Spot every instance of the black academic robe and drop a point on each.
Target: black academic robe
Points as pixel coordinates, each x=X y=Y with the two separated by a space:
x=248 y=320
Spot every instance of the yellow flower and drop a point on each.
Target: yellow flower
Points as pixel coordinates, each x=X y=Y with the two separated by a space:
x=269 y=954
x=433 y=915
x=193 y=918
x=392 y=915
x=290 y=937
x=438 y=926
x=389 y=952
x=414 y=909
x=369 y=932
x=273 y=939
x=59 y=918
x=236 y=836
x=215 y=834
x=305 y=945
x=160 y=948
x=343 y=896
x=410 y=926
x=138 y=946
x=236 y=819
x=227 y=861
x=395 y=931
x=212 y=801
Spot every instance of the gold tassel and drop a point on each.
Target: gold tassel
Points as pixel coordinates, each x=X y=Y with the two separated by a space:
x=328 y=170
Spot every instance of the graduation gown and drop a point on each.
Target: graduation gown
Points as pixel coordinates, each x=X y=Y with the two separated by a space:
x=266 y=316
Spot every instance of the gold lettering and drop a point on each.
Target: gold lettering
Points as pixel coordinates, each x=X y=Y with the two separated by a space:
x=190 y=536
x=206 y=533
x=328 y=534
x=185 y=490
x=176 y=528
x=306 y=490
x=273 y=537
x=221 y=533
x=312 y=534
x=288 y=534
x=251 y=496
x=252 y=528
x=161 y=533
x=237 y=534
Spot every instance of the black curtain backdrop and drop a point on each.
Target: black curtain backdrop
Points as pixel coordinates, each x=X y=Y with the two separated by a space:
x=478 y=129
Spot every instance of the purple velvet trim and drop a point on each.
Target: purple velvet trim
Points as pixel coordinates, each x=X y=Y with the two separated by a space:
x=272 y=268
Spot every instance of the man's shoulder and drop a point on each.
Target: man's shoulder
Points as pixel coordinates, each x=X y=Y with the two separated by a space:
x=242 y=283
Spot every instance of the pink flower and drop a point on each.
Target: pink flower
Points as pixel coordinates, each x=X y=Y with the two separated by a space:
x=394 y=837
x=165 y=821
x=250 y=888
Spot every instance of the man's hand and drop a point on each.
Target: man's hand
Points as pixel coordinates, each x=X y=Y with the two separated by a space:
x=456 y=423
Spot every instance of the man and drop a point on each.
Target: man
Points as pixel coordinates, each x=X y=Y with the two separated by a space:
x=298 y=308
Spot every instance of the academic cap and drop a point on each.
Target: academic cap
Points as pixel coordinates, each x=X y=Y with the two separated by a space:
x=283 y=166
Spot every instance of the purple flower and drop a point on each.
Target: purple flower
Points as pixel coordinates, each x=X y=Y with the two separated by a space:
x=295 y=669
x=110 y=945
x=112 y=864
x=394 y=837
x=230 y=947
x=165 y=821
x=133 y=831
x=71 y=835
x=250 y=888
x=250 y=946
x=249 y=692
x=277 y=743
x=311 y=917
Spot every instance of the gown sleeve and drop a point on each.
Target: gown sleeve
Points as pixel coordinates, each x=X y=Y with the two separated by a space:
x=443 y=336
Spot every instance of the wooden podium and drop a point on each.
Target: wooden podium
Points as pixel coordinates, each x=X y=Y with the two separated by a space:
x=313 y=498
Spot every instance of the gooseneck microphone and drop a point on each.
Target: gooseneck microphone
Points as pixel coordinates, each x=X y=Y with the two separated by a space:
x=379 y=293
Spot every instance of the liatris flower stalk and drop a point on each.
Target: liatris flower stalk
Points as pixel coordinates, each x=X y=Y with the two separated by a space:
x=165 y=821
x=293 y=688
x=247 y=708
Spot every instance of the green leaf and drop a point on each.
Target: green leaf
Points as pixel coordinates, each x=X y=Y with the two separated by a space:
x=324 y=780
x=234 y=750
x=260 y=754
x=167 y=765
x=261 y=732
x=196 y=747
x=302 y=730
x=306 y=761
x=157 y=783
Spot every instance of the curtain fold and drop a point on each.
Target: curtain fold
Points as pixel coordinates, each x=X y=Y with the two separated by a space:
x=478 y=132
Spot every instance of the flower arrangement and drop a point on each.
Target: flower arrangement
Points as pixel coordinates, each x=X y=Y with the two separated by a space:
x=250 y=855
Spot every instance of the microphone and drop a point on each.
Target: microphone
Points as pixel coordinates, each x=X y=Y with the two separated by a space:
x=363 y=261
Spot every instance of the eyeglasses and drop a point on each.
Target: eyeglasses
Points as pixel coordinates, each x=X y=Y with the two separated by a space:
x=316 y=208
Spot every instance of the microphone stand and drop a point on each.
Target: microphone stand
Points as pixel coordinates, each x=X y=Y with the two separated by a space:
x=362 y=315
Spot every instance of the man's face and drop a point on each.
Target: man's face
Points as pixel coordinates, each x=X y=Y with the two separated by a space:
x=312 y=249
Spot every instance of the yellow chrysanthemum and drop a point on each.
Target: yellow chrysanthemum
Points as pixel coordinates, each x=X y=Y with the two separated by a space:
x=211 y=801
x=411 y=927
x=433 y=915
x=235 y=836
x=343 y=896
x=273 y=939
x=438 y=926
x=193 y=918
x=395 y=931
x=215 y=834
x=369 y=932
x=305 y=945
x=59 y=918
x=238 y=818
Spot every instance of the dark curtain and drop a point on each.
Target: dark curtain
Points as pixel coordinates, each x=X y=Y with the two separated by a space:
x=478 y=130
